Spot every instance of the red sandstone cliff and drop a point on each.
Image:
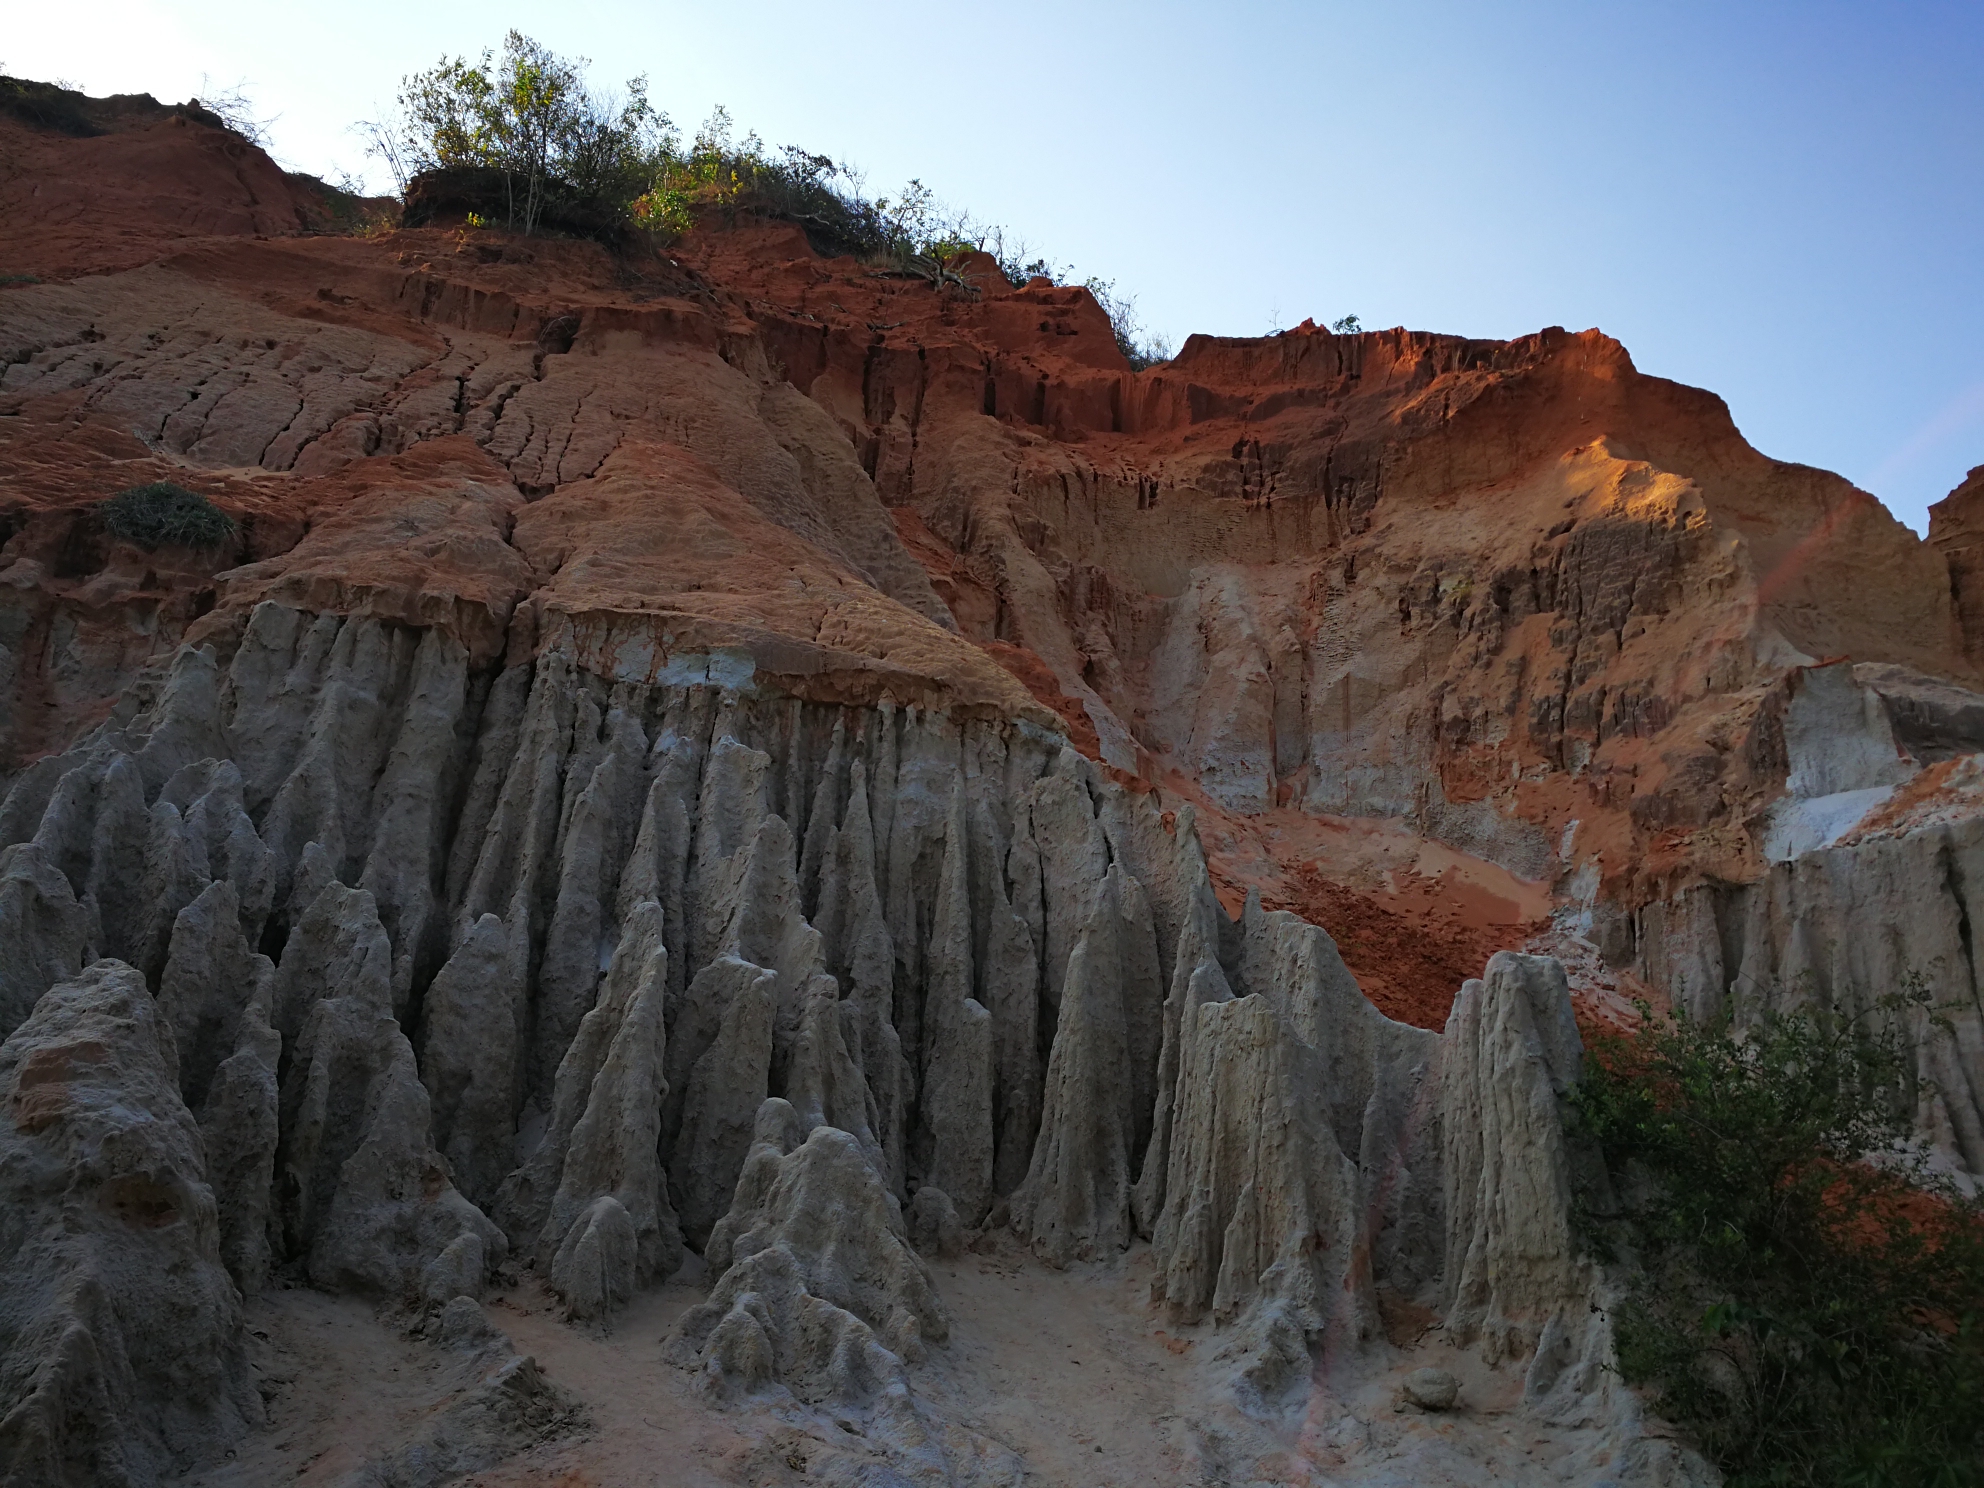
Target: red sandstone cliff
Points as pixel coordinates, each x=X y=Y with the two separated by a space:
x=1517 y=599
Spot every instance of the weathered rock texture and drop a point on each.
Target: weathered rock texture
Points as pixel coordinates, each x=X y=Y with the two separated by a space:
x=820 y=1294
x=1516 y=597
x=368 y=1203
x=710 y=753
x=1512 y=1053
x=1293 y=1164
x=819 y=1286
x=609 y=1229
x=1219 y=1086
x=121 y=1357
x=1867 y=907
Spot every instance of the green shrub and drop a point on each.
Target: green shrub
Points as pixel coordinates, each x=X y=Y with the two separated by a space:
x=521 y=139
x=555 y=146
x=1805 y=1296
x=161 y=513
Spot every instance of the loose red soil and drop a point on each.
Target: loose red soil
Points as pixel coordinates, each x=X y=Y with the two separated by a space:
x=1409 y=950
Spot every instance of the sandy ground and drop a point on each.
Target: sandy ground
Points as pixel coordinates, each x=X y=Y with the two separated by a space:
x=1071 y=1370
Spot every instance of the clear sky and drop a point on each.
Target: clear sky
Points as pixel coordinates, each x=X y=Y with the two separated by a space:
x=1781 y=202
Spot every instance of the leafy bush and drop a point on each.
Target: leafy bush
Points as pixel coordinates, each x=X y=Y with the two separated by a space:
x=1805 y=1296
x=522 y=139
x=161 y=513
x=794 y=185
x=531 y=119
x=911 y=233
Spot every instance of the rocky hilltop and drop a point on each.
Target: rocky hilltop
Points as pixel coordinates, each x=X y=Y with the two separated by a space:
x=728 y=778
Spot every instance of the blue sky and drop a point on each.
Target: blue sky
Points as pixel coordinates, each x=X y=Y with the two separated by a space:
x=1781 y=202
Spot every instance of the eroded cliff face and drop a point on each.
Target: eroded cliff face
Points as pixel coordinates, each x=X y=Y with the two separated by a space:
x=727 y=760
x=1486 y=590
x=596 y=971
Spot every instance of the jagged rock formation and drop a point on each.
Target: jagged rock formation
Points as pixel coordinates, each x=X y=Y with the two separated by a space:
x=1512 y=1052
x=1076 y=1197
x=1869 y=893
x=819 y=1287
x=1517 y=596
x=368 y=1202
x=1293 y=1165
x=820 y=1295
x=1514 y=1284
x=590 y=812
x=121 y=1354
x=44 y=929
x=1220 y=1086
x=217 y=995
x=609 y=1229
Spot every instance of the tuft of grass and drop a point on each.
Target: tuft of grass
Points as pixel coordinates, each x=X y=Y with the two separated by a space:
x=160 y=514
x=1804 y=1294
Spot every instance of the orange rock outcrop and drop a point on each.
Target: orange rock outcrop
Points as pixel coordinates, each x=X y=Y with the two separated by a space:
x=1517 y=599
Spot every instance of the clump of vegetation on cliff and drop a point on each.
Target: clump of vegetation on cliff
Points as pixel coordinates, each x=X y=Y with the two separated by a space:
x=1806 y=1296
x=912 y=232
x=47 y=106
x=523 y=139
x=528 y=130
x=158 y=514
x=66 y=110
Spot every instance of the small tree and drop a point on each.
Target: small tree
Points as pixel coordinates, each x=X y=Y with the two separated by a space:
x=530 y=117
